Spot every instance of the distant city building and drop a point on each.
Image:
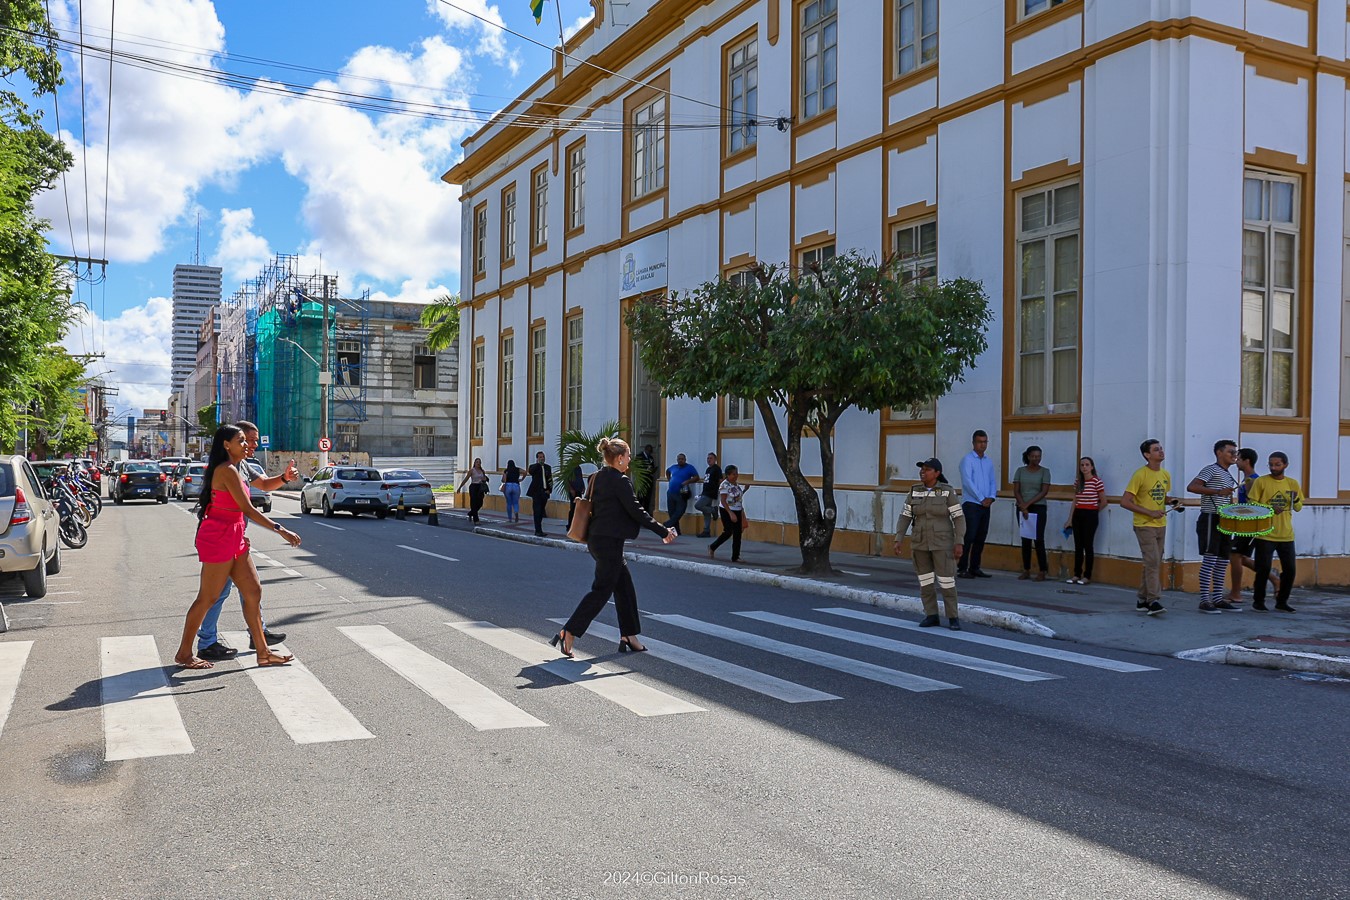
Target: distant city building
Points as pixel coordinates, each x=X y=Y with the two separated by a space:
x=196 y=291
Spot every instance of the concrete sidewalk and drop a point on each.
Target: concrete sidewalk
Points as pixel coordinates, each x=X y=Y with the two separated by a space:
x=1314 y=639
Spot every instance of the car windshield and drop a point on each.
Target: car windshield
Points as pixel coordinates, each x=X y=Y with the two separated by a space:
x=357 y=475
x=403 y=475
x=196 y=470
x=140 y=467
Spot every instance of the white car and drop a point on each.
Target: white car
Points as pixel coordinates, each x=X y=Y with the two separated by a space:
x=356 y=489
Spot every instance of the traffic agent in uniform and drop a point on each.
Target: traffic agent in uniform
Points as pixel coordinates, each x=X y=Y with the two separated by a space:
x=934 y=509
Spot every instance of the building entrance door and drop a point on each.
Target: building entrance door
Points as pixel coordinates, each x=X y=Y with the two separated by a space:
x=646 y=424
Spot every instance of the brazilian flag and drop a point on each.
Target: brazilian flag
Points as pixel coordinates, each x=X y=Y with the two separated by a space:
x=537 y=7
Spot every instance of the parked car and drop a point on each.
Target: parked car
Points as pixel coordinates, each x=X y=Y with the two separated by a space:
x=176 y=460
x=138 y=479
x=191 y=481
x=356 y=489
x=411 y=486
x=257 y=496
x=29 y=542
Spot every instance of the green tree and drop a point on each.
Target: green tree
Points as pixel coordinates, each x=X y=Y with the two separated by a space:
x=577 y=448
x=55 y=417
x=807 y=345
x=442 y=317
x=208 y=417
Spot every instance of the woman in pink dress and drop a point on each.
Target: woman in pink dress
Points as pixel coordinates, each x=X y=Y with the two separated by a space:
x=223 y=549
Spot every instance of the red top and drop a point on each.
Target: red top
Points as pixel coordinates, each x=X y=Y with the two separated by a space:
x=1092 y=495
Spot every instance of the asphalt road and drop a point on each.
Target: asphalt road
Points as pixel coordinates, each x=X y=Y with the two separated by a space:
x=385 y=772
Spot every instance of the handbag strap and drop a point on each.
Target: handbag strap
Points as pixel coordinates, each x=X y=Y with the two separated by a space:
x=590 y=487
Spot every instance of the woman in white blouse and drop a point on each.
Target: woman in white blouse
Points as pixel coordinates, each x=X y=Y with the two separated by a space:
x=732 y=509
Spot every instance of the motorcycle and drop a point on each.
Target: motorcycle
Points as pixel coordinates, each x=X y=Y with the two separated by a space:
x=72 y=531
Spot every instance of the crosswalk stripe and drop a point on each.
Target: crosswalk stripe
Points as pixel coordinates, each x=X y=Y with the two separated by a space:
x=13 y=655
x=426 y=553
x=441 y=681
x=1002 y=670
x=1081 y=659
x=304 y=708
x=847 y=665
x=760 y=682
x=326 y=525
x=608 y=683
x=140 y=716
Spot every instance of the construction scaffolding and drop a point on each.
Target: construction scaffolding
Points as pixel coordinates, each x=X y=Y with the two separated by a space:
x=273 y=353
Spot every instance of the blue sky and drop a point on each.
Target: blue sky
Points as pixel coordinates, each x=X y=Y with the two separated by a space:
x=265 y=174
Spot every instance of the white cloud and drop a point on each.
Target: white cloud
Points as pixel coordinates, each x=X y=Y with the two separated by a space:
x=416 y=292
x=137 y=352
x=478 y=15
x=241 y=253
x=580 y=23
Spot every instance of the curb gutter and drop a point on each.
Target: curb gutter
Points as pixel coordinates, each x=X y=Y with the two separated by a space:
x=882 y=599
x=1289 y=660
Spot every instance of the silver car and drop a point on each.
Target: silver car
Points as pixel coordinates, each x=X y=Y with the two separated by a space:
x=411 y=486
x=29 y=527
x=191 y=481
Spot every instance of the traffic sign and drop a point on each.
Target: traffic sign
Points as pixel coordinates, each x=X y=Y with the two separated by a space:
x=325 y=444
x=265 y=441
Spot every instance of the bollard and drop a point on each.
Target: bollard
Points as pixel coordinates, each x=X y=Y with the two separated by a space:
x=402 y=509
x=431 y=514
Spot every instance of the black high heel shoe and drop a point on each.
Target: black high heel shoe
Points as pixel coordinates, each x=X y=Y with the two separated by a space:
x=557 y=641
x=625 y=647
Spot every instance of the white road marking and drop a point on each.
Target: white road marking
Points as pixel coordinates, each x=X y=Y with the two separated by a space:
x=322 y=587
x=858 y=667
x=613 y=685
x=326 y=525
x=140 y=716
x=264 y=557
x=859 y=574
x=426 y=553
x=1081 y=659
x=760 y=682
x=13 y=655
x=292 y=573
x=302 y=705
x=441 y=681
x=1002 y=670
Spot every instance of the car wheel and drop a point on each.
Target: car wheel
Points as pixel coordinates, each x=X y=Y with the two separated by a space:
x=327 y=509
x=304 y=506
x=117 y=500
x=35 y=579
x=54 y=564
x=267 y=507
x=161 y=499
x=382 y=514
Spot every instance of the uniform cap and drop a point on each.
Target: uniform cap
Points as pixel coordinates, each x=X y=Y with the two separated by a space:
x=931 y=462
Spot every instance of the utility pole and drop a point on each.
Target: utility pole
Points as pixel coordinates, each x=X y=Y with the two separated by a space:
x=325 y=377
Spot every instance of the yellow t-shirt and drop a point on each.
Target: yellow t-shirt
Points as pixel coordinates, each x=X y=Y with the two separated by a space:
x=1282 y=495
x=1150 y=490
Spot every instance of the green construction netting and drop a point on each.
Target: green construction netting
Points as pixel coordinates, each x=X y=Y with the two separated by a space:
x=288 y=383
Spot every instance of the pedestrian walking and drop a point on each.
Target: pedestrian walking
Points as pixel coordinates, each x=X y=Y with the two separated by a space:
x=511 y=490
x=576 y=488
x=1031 y=482
x=1215 y=485
x=209 y=644
x=1089 y=499
x=1282 y=494
x=224 y=550
x=1147 y=497
x=1244 y=547
x=708 y=502
x=979 y=489
x=539 y=490
x=681 y=479
x=938 y=542
x=616 y=516
x=478 y=487
x=731 y=507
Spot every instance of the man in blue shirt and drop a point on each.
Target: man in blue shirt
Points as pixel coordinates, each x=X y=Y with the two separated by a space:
x=682 y=477
x=979 y=487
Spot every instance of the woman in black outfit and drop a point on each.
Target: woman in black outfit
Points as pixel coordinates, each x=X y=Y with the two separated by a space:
x=616 y=516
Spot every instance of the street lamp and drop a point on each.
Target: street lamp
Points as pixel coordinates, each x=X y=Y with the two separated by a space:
x=325 y=380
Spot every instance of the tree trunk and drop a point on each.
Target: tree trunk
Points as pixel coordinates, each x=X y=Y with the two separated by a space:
x=815 y=529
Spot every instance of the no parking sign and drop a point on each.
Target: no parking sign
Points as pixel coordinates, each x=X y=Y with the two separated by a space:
x=325 y=444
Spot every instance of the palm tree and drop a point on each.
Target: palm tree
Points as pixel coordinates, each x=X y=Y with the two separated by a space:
x=442 y=317
x=577 y=448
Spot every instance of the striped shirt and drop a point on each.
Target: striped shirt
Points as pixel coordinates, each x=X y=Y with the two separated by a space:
x=1215 y=478
x=1092 y=495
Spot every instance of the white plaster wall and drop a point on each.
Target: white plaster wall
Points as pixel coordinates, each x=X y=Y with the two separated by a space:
x=1277 y=115
x=815 y=208
x=738 y=452
x=640 y=217
x=692 y=252
x=903 y=450
x=1329 y=196
x=856 y=438
x=861 y=60
x=1059 y=452
x=972 y=36
x=913 y=100
x=1048 y=131
x=1103 y=20
x=773 y=240
x=738 y=233
x=743 y=172
x=1266 y=444
x=1223 y=12
x=859 y=204
x=814 y=142
x=1331 y=26
x=970 y=245
x=1344 y=448
x=1048 y=43
x=1267 y=18
x=913 y=176
x=774 y=150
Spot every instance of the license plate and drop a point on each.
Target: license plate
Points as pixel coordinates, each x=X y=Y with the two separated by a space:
x=143 y=490
x=362 y=501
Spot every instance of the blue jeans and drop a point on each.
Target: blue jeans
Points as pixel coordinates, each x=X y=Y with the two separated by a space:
x=676 y=504
x=206 y=635
x=512 y=493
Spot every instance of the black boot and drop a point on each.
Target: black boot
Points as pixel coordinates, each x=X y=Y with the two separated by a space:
x=930 y=621
x=954 y=624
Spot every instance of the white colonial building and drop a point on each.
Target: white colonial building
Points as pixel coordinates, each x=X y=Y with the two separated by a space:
x=1153 y=192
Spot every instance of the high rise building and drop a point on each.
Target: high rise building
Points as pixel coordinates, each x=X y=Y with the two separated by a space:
x=196 y=292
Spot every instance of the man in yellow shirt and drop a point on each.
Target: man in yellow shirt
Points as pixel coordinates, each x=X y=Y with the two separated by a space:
x=1147 y=497
x=1282 y=494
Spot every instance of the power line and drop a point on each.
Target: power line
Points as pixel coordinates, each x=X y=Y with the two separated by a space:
x=107 y=163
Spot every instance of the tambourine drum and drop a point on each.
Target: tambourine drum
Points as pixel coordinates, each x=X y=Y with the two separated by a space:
x=1246 y=519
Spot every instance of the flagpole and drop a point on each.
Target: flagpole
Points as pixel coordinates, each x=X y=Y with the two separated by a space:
x=562 y=42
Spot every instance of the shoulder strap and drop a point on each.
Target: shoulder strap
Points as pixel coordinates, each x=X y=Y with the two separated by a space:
x=590 y=486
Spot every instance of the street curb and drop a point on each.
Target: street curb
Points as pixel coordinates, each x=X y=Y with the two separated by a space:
x=1289 y=660
x=882 y=599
